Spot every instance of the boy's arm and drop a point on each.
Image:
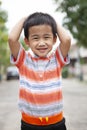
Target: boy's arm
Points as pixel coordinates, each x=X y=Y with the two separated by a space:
x=65 y=40
x=13 y=38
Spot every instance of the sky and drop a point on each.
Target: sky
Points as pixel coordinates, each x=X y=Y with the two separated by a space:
x=20 y=8
x=17 y=9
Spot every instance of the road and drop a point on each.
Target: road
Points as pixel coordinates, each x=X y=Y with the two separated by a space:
x=75 y=105
x=9 y=114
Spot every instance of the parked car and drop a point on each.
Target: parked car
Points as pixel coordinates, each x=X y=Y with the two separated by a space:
x=12 y=73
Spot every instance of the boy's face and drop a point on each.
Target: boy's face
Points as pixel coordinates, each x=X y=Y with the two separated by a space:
x=41 y=39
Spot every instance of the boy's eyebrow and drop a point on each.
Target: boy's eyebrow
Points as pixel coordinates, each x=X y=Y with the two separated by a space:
x=34 y=35
x=48 y=34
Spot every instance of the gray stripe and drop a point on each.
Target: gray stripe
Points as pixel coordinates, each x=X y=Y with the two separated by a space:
x=40 y=64
x=44 y=110
x=40 y=86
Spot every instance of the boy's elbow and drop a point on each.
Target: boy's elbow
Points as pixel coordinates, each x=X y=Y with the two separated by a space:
x=68 y=40
x=11 y=39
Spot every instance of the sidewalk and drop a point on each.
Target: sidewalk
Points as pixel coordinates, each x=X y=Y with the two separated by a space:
x=75 y=104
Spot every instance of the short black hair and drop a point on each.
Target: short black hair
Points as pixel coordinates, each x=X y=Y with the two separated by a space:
x=39 y=18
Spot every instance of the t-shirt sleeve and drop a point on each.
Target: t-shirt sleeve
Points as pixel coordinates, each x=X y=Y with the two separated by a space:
x=61 y=60
x=20 y=58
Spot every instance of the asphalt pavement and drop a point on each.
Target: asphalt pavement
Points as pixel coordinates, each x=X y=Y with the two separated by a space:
x=75 y=104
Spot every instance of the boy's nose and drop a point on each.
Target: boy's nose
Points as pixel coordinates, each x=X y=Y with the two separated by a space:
x=41 y=43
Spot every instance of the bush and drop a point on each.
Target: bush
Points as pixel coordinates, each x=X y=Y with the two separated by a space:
x=65 y=72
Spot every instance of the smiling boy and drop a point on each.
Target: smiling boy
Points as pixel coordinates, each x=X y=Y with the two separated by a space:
x=40 y=92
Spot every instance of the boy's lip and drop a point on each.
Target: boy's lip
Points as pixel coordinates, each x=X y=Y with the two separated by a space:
x=42 y=49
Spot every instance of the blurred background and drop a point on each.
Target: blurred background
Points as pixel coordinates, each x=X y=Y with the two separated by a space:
x=72 y=14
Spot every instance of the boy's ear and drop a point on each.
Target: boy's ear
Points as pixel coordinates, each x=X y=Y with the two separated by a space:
x=26 y=41
x=55 y=39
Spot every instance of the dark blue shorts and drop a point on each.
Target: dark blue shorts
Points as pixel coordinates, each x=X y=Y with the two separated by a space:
x=58 y=126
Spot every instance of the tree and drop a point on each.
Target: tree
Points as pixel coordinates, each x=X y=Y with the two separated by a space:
x=75 y=18
x=3 y=38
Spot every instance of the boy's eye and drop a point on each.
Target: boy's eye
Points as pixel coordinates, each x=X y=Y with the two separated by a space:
x=46 y=37
x=35 y=38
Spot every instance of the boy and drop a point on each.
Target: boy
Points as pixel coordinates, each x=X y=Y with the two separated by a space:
x=40 y=93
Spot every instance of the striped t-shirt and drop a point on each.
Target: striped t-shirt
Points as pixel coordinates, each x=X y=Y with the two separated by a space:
x=40 y=92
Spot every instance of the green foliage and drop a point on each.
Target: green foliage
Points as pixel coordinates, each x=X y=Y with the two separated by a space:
x=75 y=19
x=65 y=72
x=4 y=52
x=23 y=44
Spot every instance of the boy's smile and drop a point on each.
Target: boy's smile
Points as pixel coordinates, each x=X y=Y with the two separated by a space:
x=41 y=39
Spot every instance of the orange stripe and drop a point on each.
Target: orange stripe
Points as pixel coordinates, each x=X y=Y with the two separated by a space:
x=59 y=58
x=52 y=74
x=40 y=98
x=47 y=75
x=21 y=58
x=36 y=120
